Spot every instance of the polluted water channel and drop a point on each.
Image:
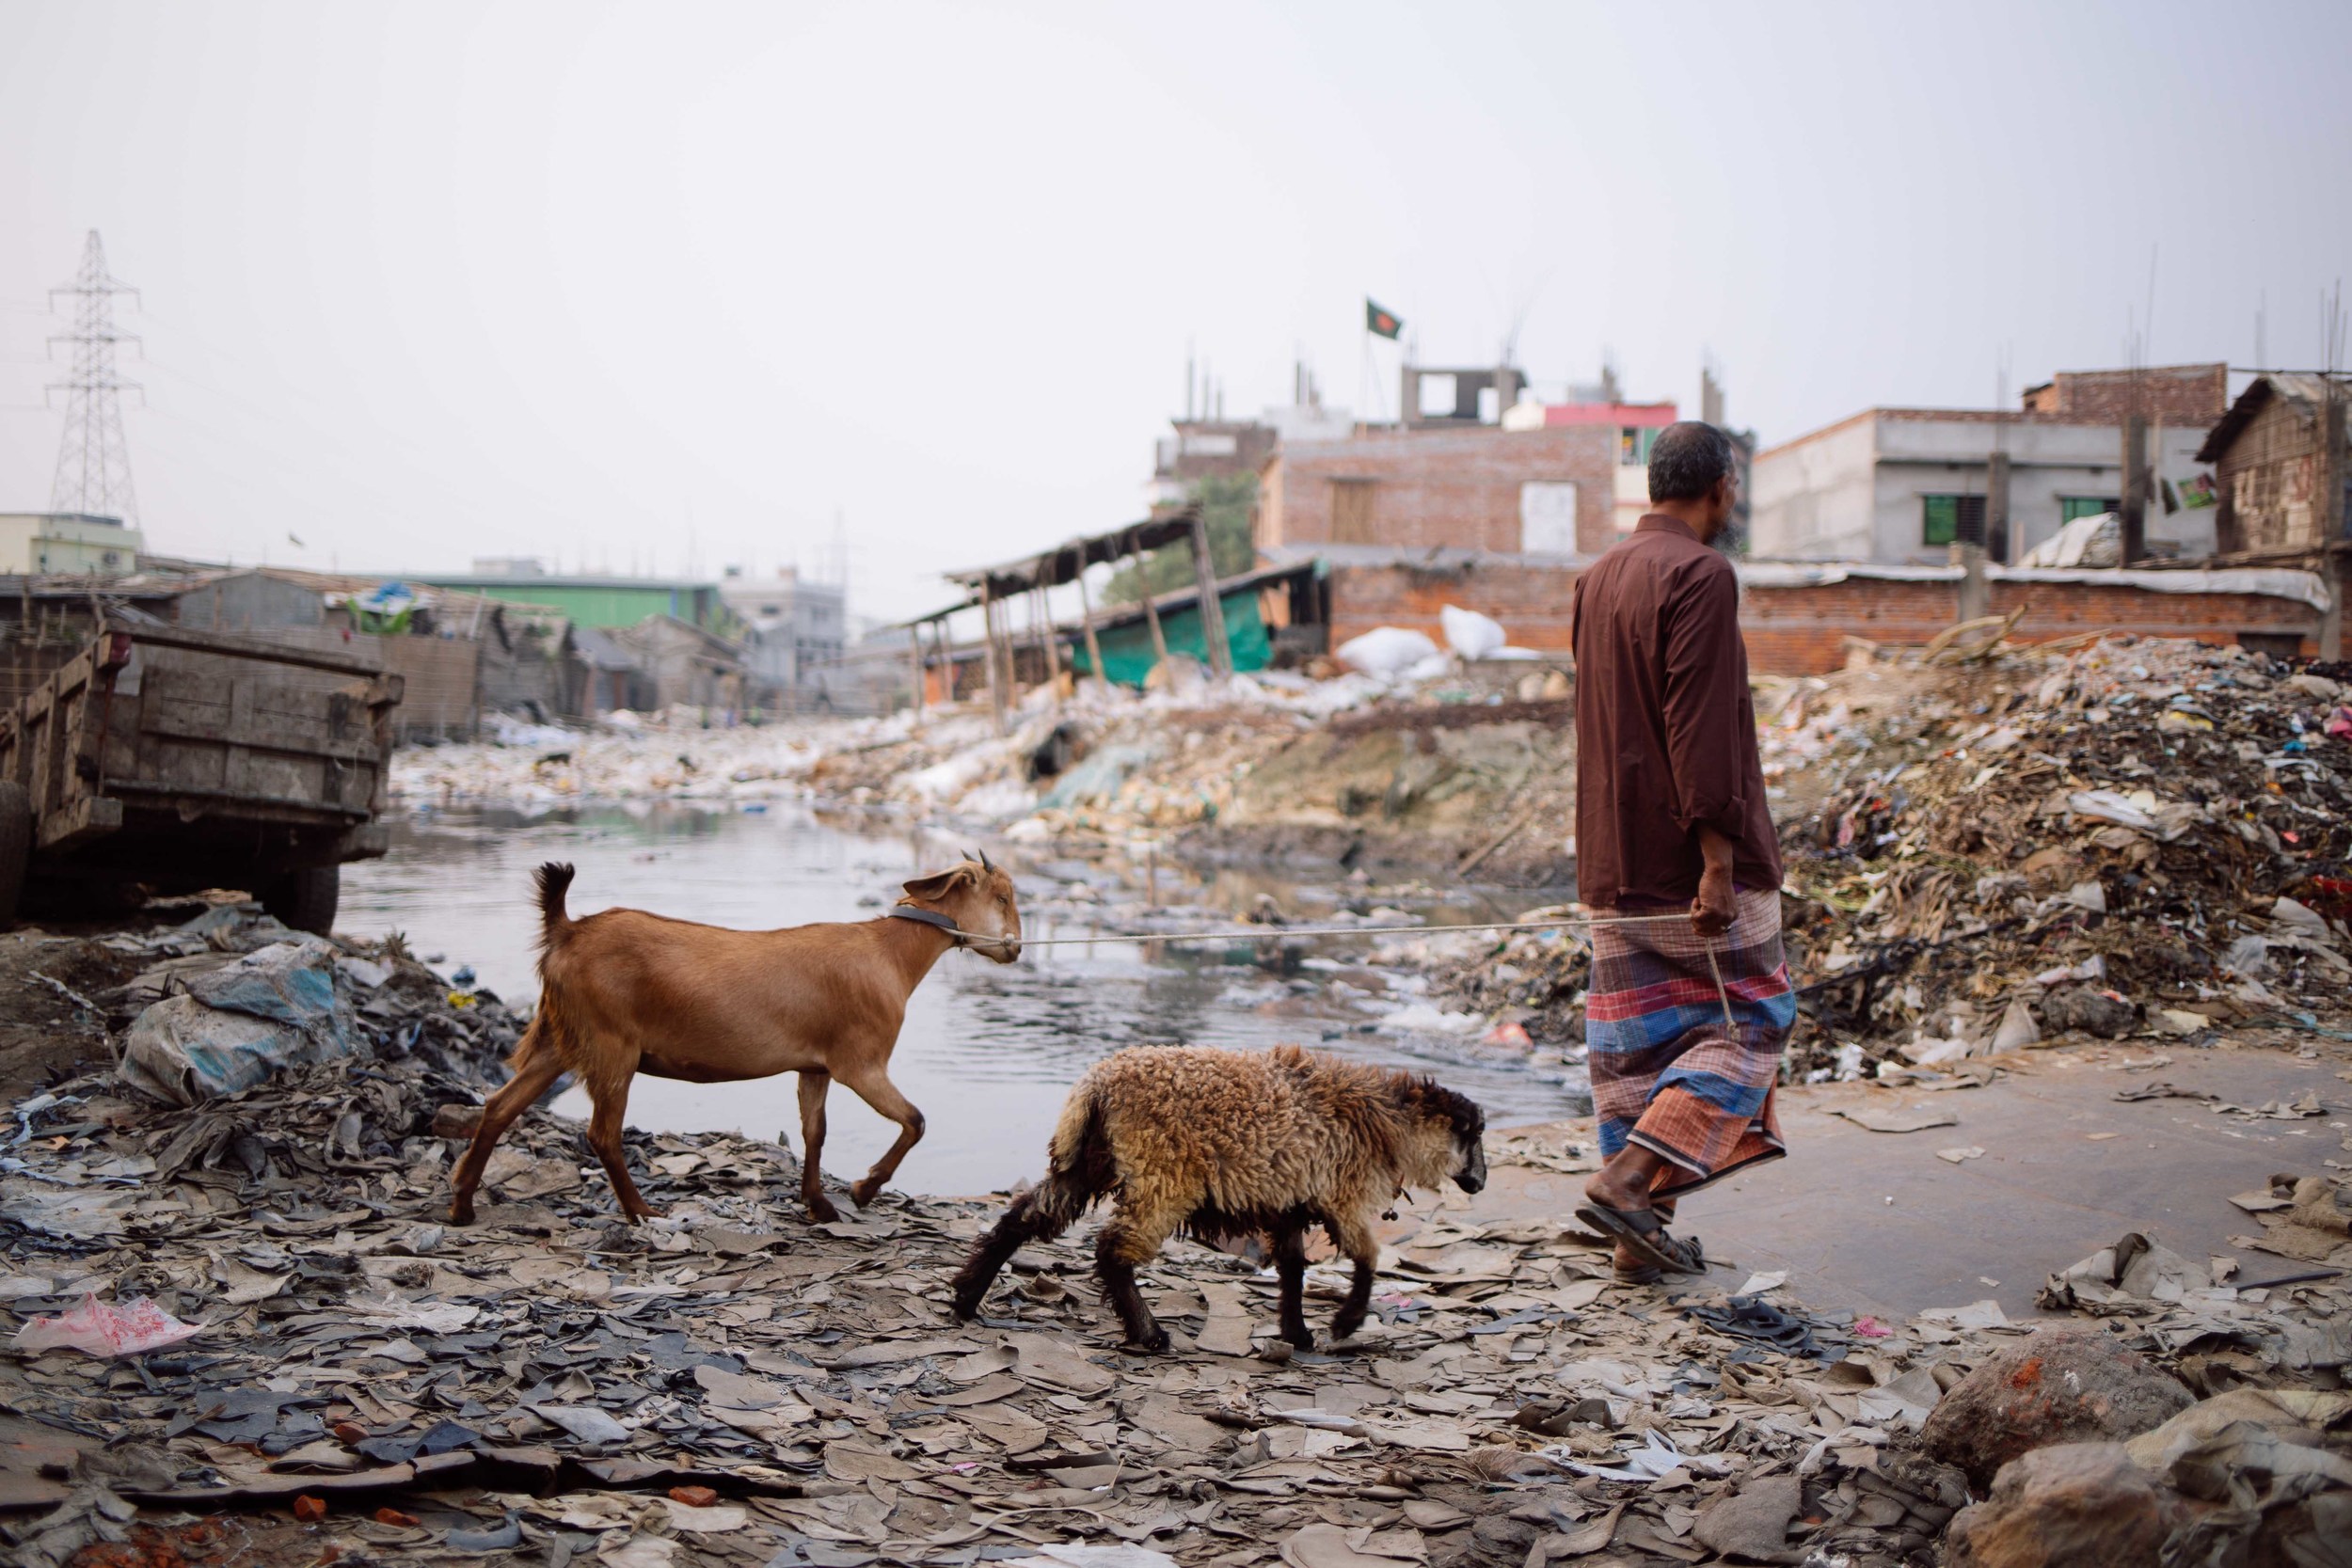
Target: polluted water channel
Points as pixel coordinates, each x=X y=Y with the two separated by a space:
x=987 y=1051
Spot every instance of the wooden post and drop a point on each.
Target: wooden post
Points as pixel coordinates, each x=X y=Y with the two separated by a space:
x=1042 y=623
x=2135 y=519
x=1150 y=608
x=914 y=661
x=2334 y=557
x=944 y=657
x=1086 y=619
x=987 y=631
x=1999 y=546
x=1212 y=609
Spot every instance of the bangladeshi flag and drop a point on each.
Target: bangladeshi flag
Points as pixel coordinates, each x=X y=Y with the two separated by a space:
x=1387 y=324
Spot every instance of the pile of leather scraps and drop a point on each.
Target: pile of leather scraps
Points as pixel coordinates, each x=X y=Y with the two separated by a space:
x=730 y=1383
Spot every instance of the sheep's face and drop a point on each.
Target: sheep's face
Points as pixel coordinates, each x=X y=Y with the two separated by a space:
x=1472 y=1151
x=1466 y=1134
x=979 y=896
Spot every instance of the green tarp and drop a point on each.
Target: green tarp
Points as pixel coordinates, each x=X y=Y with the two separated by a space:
x=1127 y=650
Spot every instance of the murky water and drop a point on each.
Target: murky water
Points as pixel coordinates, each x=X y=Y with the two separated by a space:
x=987 y=1051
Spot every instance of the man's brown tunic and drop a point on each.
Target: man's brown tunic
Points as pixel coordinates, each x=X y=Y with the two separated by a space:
x=1665 y=730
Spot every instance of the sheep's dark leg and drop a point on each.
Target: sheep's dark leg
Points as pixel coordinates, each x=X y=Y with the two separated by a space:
x=1358 y=1243
x=1121 y=1247
x=1290 y=1263
x=1035 y=1216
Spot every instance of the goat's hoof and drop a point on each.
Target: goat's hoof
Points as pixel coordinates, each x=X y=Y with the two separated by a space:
x=1299 y=1339
x=1345 y=1328
x=821 y=1211
x=1150 y=1344
x=865 y=1193
x=461 y=1212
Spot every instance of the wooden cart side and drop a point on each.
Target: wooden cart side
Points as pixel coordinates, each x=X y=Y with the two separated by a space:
x=226 y=726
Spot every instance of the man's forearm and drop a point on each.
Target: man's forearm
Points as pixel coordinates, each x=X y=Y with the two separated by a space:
x=1717 y=852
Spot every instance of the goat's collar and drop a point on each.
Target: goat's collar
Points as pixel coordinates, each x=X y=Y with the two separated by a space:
x=926 y=917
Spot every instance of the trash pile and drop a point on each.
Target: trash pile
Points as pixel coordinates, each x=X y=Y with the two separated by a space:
x=1429 y=757
x=2134 y=837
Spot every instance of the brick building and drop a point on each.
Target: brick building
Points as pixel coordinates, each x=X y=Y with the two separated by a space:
x=1901 y=485
x=2279 y=451
x=1549 y=492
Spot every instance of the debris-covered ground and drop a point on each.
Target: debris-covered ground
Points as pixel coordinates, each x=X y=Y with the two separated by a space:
x=336 y=1374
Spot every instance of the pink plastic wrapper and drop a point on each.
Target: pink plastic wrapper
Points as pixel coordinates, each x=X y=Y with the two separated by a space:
x=1870 y=1328
x=103 y=1328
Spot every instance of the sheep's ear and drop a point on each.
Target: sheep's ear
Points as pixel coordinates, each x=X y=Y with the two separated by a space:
x=939 y=883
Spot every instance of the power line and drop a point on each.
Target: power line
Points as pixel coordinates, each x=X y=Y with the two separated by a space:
x=93 y=462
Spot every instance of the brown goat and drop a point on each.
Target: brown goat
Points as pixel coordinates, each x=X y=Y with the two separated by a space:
x=625 y=992
x=1226 y=1143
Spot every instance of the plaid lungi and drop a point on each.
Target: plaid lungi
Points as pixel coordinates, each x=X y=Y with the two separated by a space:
x=1667 y=1073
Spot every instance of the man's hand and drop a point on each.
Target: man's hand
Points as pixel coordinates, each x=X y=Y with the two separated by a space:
x=1714 y=908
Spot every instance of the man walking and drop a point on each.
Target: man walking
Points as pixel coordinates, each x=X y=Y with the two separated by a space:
x=1687 y=1015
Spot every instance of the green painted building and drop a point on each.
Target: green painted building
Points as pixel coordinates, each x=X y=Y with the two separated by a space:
x=606 y=603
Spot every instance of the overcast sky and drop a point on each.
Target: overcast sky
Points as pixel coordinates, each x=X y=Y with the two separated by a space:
x=669 y=287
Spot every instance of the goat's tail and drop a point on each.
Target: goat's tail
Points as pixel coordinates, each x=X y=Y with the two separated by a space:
x=1079 y=1169
x=553 y=881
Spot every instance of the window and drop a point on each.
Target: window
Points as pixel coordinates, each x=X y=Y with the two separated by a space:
x=1351 y=511
x=1634 y=444
x=1547 y=517
x=1949 y=519
x=2071 y=507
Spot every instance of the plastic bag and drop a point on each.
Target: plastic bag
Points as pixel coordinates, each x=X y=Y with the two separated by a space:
x=1470 y=634
x=238 y=1026
x=1387 y=650
x=105 y=1328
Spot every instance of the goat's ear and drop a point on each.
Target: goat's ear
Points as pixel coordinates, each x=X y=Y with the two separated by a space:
x=939 y=883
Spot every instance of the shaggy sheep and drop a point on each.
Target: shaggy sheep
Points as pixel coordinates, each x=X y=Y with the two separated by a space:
x=1224 y=1144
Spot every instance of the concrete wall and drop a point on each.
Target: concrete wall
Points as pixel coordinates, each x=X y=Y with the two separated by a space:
x=1812 y=499
x=1853 y=491
x=44 y=544
x=1434 y=489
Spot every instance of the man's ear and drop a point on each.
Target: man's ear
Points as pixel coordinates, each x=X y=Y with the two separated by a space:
x=939 y=883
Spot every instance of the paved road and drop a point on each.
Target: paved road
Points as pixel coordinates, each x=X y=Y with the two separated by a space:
x=1876 y=1222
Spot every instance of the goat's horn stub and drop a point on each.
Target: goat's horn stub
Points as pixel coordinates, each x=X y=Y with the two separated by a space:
x=984 y=865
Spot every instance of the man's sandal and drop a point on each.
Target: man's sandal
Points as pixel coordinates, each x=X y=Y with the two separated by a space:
x=1639 y=1230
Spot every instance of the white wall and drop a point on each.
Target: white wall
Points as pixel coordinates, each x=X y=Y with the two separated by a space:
x=1812 y=501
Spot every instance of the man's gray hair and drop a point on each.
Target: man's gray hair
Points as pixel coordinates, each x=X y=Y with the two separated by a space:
x=1687 y=460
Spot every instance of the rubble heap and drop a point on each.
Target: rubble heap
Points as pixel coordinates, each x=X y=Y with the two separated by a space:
x=2135 y=834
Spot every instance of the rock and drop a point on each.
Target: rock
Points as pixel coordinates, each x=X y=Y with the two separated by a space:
x=2093 y=1012
x=2084 y=1505
x=1753 y=1525
x=457 y=1122
x=2061 y=1385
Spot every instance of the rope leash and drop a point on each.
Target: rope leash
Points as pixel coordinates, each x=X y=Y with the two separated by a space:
x=1260 y=933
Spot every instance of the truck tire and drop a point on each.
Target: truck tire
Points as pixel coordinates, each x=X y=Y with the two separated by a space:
x=16 y=845
x=306 y=899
